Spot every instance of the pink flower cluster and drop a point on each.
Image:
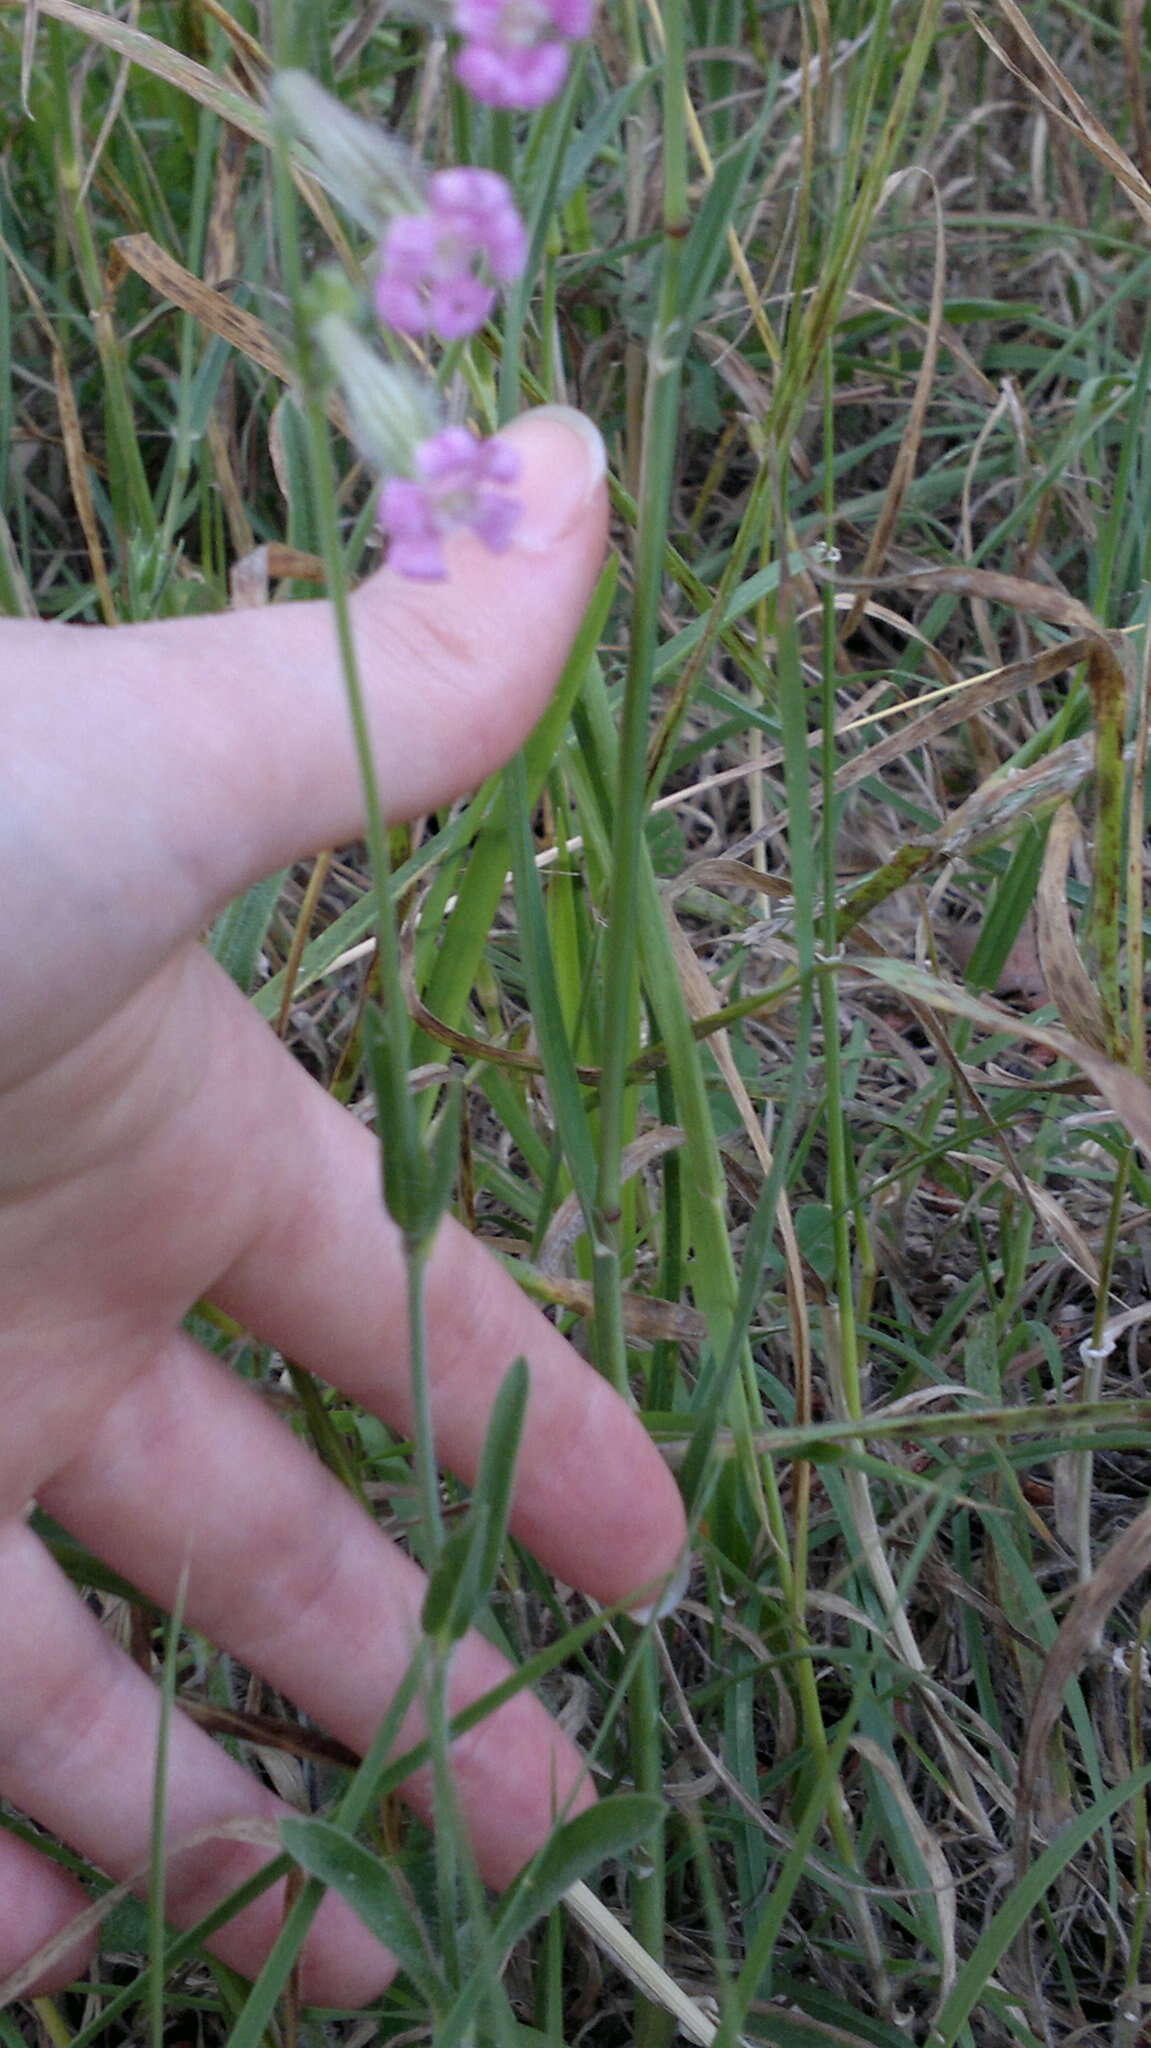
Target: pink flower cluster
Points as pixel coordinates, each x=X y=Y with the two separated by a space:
x=438 y=270
x=515 y=52
x=458 y=482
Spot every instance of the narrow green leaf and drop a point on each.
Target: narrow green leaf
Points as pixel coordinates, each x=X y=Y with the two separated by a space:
x=405 y=1169
x=567 y=1100
x=612 y=1828
x=466 y=1571
x=996 y=1939
x=598 y=135
x=466 y=930
x=454 y=1592
x=442 y=1159
x=707 y=240
x=241 y=928
x=373 y=1890
x=496 y=1477
x=1008 y=905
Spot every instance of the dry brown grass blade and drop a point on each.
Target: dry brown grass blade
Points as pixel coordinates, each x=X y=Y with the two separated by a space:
x=1075 y=114
x=221 y=262
x=1080 y=1632
x=111 y=114
x=213 y=310
x=250 y=583
x=979 y=694
x=1133 y=15
x=28 y=49
x=220 y=248
x=949 y=708
x=1000 y=802
x=628 y=1955
x=722 y=871
x=71 y=433
x=267 y=1731
x=1018 y=593
x=1109 y=655
x=1126 y=1094
x=241 y=532
x=929 y=1851
x=249 y=53
x=1068 y=983
x=1061 y=1228
x=982 y=385
x=351 y=39
x=76 y=458
x=994 y=809
x=463 y=1042
x=567 y=1224
x=646 y=1318
x=907 y=456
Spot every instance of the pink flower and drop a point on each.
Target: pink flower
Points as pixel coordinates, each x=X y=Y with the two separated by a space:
x=457 y=483
x=438 y=270
x=515 y=52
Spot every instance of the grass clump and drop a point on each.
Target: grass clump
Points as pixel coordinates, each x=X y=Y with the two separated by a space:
x=815 y=999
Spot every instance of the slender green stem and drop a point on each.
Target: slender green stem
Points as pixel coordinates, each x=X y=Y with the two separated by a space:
x=660 y=437
x=1107 y=685
x=427 y=1471
x=396 y=1024
x=1095 y=1359
x=158 y=1860
x=447 y=1817
x=128 y=482
x=648 y=1889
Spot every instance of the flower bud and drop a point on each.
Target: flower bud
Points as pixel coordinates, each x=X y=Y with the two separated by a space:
x=390 y=411
x=437 y=478
x=372 y=175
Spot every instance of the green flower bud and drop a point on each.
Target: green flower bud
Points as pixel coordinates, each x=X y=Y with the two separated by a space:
x=390 y=411
x=370 y=173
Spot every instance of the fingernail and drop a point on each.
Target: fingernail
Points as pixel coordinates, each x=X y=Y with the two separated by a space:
x=565 y=462
x=669 y=1599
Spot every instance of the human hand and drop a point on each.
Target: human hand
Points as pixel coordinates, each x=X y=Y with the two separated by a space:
x=157 y=1144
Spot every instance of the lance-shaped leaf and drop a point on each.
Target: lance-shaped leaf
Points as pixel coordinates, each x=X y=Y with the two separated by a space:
x=374 y=1890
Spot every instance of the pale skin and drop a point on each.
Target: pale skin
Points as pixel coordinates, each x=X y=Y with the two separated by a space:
x=158 y=1145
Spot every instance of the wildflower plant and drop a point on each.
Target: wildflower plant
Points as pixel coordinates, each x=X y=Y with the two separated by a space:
x=856 y=1675
x=446 y=243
